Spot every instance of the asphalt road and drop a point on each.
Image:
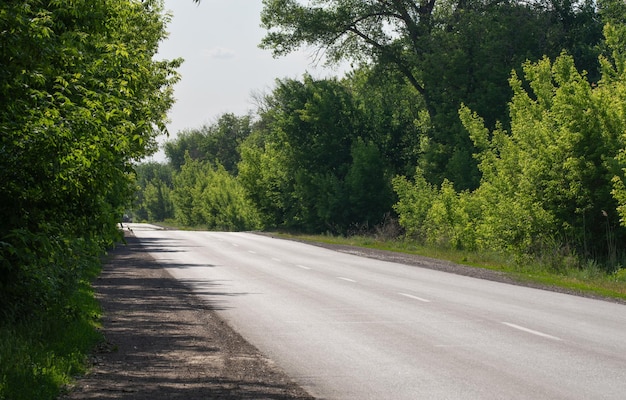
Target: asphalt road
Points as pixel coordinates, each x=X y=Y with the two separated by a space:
x=347 y=327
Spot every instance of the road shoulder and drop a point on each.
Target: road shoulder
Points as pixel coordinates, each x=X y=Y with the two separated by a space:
x=164 y=342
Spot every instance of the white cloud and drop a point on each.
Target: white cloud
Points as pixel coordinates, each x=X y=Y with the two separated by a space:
x=223 y=64
x=220 y=53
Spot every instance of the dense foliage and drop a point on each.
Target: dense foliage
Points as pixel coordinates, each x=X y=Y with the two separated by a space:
x=553 y=185
x=216 y=142
x=451 y=52
x=484 y=126
x=208 y=196
x=199 y=186
x=81 y=99
x=153 y=201
x=312 y=164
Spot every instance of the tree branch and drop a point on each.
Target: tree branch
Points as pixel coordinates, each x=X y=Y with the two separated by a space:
x=393 y=57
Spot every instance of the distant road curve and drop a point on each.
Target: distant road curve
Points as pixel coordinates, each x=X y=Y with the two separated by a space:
x=347 y=327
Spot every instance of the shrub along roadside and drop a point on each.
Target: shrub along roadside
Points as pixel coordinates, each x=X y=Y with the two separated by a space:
x=82 y=99
x=552 y=186
x=41 y=352
x=207 y=195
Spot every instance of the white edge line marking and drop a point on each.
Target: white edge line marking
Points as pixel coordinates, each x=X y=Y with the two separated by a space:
x=346 y=279
x=521 y=328
x=251 y=252
x=276 y=259
x=235 y=244
x=302 y=266
x=410 y=296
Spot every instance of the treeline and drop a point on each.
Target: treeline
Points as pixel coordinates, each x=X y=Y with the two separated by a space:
x=499 y=127
x=81 y=101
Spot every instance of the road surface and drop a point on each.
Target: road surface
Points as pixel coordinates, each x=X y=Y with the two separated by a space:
x=347 y=327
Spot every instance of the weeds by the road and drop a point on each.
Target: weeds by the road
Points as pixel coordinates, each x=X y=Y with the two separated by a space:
x=40 y=355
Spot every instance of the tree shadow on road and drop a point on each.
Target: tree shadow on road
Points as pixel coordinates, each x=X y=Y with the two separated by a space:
x=164 y=342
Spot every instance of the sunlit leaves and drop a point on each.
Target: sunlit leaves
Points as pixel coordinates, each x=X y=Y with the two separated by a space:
x=81 y=99
x=207 y=195
x=550 y=177
x=450 y=52
x=217 y=142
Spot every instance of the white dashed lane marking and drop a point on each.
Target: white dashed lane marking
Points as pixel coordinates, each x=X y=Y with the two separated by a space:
x=413 y=297
x=531 y=331
x=410 y=296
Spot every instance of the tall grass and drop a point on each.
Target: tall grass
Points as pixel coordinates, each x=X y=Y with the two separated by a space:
x=40 y=354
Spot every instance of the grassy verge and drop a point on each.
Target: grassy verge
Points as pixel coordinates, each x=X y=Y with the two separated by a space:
x=591 y=280
x=41 y=354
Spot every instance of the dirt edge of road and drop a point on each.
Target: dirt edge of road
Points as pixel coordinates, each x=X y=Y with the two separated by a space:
x=163 y=342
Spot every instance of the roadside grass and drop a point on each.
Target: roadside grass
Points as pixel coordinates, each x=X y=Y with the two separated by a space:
x=591 y=280
x=41 y=354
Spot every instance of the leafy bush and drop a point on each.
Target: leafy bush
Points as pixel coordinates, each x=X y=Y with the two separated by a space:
x=414 y=202
x=42 y=351
x=552 y=187
x=210 y=196
x=81 y=99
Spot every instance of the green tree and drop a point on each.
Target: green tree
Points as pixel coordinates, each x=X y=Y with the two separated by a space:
x=393 y=114
x=188 y=142
x=81 y=99
x=309 y=126
x=223 y=203
x=265 y=175
x=415 y=199
x=367 y=185
x=152 y=198
x=207 y=195
x=612 y=94
x=451 y=52
x=156 y=201
x=310 y=152
x=551 y=177
x=186 y=192
x=552 y=185
x=218 y=142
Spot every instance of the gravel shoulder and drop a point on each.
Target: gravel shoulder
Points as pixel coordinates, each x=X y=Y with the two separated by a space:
x=163 y=342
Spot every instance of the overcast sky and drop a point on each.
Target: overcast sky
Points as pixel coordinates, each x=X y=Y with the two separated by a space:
x=218 y=39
